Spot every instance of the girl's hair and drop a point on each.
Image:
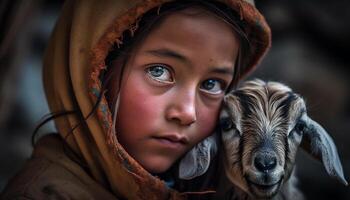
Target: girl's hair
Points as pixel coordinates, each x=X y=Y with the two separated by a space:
x=131 y=38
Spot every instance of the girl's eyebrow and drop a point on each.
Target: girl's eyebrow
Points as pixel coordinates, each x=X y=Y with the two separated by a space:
x=168 y=53
x=222 y=70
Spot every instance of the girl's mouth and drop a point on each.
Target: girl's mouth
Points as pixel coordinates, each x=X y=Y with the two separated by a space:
x=172 y=141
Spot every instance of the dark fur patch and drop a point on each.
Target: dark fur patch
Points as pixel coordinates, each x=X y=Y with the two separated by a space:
x=245 y=102
x=285 y=105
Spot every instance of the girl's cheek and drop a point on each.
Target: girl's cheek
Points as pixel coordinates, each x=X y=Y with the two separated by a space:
x=208 y=118
x=138 y=105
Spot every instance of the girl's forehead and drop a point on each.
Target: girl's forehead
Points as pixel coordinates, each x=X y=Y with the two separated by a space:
x=193 y=38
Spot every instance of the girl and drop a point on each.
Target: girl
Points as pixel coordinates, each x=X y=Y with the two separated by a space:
x=133 y=86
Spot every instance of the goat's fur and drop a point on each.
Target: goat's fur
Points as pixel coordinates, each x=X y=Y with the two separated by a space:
x=263 y=121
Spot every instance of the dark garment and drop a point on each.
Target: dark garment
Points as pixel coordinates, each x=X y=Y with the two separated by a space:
x=51 y=174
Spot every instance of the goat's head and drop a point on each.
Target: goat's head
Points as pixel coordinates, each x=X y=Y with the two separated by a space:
x=263 y=124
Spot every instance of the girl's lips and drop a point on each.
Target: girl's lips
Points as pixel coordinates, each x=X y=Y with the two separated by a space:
x=172 y=141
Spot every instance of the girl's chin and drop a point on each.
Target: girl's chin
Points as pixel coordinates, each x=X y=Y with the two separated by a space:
x=157 y=165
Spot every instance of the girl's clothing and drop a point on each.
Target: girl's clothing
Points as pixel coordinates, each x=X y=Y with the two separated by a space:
x=51 y=174
x=91 y=164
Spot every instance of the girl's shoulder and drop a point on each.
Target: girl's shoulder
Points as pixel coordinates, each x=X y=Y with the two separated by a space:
x=50 y=173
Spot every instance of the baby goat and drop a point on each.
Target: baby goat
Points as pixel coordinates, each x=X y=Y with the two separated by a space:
x=262 y=125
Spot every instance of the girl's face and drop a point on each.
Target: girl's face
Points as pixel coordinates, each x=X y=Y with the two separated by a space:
x=173 y=86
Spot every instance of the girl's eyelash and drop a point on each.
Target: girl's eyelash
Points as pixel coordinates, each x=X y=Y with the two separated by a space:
x=157 y=64
x=222 y=86
x=157 y=77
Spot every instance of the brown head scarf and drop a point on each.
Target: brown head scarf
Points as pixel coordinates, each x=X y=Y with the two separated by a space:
x=83 y=36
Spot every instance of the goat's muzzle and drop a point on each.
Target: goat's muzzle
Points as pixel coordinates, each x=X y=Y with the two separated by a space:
x=265 y=175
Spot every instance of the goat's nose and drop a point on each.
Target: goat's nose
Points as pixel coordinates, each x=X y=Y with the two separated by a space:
x=264 y=163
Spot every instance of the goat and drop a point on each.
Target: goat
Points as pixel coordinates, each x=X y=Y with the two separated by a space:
x=262 y=125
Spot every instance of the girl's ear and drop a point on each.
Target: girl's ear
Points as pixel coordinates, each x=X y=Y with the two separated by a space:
x=318 y=143
x=196 y=162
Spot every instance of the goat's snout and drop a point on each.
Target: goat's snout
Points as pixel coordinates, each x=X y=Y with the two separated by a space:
x=265 y=161
x=265 y=174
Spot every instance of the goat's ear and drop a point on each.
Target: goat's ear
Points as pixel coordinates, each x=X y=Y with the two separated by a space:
x=196 y=162
x=318 y=143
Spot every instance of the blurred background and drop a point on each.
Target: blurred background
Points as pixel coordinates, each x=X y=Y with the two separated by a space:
x=309 y=53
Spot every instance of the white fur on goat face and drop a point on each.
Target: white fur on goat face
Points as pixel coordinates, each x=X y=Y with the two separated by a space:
x=264 y=117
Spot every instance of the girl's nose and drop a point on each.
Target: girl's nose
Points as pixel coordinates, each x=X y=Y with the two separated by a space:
x=182 y=109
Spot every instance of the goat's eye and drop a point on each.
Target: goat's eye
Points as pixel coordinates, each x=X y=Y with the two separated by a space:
x=300 y=127
x=226 y=124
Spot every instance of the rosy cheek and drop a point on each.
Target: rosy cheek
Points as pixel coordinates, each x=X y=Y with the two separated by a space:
x=137 y=106
x=140 y=108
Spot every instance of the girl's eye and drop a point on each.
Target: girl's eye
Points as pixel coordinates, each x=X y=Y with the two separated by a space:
x=160 y=73
x=212 y=86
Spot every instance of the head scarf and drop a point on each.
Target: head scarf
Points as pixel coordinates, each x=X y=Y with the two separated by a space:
x=74 y=60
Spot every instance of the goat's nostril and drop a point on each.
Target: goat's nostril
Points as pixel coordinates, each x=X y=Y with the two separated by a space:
x=264 y=163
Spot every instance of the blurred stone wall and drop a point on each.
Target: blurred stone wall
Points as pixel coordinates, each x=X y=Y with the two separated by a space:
x=309 y=53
